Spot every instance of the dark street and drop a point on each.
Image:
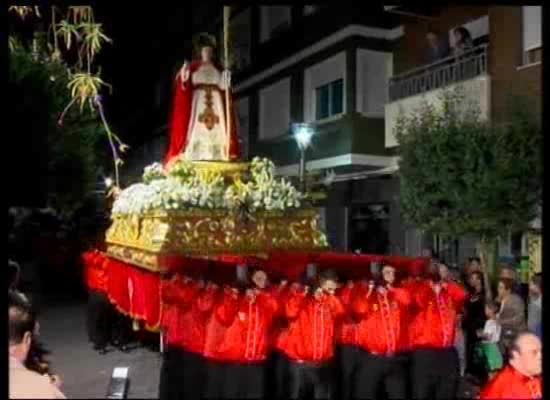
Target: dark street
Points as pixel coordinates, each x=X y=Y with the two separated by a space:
x=85 y=373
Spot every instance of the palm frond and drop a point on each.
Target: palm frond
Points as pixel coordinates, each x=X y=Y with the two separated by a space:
x=24 y=11
x=93 y=37
x=81 y=13
x=67 y=30
x=85 y=87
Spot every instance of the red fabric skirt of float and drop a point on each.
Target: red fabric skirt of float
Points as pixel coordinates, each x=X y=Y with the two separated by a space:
x=136 y=292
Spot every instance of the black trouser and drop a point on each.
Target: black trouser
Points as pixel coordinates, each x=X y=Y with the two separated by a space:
x=99 y=319
x=348 y=358
x=181 y=375
x=231 y=380
x=122 y=326
x=277 y=376
x=309 y=380
x=434 y=374
x=378 y=374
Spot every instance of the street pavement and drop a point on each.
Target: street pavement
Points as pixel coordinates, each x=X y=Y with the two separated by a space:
x=86 y=373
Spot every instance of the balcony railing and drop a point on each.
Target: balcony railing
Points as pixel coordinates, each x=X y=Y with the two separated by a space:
x=444 y=72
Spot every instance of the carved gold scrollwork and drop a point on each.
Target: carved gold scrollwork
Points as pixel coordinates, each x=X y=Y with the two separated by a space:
x=203 y=232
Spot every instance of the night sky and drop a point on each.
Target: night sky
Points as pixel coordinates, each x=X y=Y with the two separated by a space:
x=148 y=43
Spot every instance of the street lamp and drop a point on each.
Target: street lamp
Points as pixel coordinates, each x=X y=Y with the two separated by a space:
x=303 y=133
x=108 y=182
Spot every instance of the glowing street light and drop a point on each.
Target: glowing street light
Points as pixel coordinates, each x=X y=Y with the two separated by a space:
x=108 y=182
x=303 y=133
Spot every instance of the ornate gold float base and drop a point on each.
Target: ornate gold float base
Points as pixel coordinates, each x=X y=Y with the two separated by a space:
x=153 y=262
x=144 y=239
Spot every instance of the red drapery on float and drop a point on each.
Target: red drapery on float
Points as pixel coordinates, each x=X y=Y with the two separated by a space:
x=136 y=292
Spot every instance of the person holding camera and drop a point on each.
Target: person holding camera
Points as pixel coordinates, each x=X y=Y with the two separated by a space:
x=380 y=308
x=308 y=341
x=347 y=347
x=434 y=361
x=246 y=312
x=187 y=303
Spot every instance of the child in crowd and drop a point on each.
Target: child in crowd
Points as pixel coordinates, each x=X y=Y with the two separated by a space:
x=488 y=350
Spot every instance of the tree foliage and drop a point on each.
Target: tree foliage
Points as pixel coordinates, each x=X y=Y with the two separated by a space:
x=60 y=161
x=460 y=174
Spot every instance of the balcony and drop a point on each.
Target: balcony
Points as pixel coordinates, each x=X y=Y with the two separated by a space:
x=407 y=91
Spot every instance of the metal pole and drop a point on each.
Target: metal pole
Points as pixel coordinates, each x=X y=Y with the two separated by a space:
x=302 y=170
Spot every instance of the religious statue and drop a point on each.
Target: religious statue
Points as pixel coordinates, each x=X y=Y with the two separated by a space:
x=203 y=122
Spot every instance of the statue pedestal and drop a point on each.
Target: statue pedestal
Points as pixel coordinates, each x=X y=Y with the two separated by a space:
x=149 y=240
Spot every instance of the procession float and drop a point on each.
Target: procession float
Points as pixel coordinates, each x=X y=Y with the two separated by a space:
x=203 y=210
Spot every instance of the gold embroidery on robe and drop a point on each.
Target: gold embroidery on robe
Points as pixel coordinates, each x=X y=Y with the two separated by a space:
x=208 y=116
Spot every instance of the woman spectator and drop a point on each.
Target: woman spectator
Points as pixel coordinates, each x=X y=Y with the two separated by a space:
x=463 y=40
x=474 y=319
x=512 y=312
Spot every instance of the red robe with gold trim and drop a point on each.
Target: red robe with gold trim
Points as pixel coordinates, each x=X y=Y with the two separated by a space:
x=200 y=113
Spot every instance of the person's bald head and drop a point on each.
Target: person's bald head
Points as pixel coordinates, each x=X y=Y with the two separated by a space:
x=526 y=354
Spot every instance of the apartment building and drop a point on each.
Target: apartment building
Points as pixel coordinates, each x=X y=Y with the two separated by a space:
x=325 y=65
x=506 y=60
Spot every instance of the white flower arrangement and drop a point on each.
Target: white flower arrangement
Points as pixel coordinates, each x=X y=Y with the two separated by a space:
x=181 y=187
x=153 y=172
x=182 y=169
x=269 y=193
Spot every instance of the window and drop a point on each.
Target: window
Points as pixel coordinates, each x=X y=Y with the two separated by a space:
x=373 y=70
x=316 y=77
x=329 y=99
x=532 y=34
x=275 y=110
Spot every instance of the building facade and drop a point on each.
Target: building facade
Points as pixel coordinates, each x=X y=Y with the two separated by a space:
x=506 y=61
x=328 y=66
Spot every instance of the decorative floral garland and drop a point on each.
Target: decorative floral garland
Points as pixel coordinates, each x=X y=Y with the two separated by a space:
x=181 y=187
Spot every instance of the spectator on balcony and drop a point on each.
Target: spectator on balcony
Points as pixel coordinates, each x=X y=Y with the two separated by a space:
x=463 y=41
x=438 y=46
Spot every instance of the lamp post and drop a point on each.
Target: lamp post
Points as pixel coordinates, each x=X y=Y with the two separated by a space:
x=303 y=133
